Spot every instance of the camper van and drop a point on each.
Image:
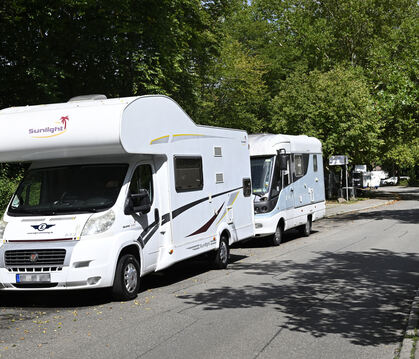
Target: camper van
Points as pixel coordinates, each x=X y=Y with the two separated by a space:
x=287 y=182
x=116 y=189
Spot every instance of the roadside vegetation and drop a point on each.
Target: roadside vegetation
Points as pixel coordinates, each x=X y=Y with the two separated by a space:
x=344 y=71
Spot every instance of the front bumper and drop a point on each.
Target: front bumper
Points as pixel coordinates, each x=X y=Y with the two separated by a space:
x=85 y=266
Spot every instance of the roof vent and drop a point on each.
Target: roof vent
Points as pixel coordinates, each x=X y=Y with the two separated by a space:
x=88 y=98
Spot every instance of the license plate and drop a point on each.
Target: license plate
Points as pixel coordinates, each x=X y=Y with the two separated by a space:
x=35 y=277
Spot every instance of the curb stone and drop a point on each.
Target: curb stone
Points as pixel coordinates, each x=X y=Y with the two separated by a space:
x=411 y=331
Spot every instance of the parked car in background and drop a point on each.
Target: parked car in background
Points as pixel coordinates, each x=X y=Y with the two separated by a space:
x=391 y=181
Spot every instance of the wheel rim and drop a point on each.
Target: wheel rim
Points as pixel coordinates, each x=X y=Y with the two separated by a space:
x=130 y=277
x=223 y=252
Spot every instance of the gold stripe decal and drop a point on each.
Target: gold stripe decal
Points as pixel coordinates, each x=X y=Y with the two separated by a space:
x=160 y=138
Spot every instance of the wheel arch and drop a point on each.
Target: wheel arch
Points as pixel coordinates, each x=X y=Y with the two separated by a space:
x=129 y=248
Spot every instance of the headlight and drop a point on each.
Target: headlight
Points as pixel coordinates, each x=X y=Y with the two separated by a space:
x=3 y=225
x=98 y=223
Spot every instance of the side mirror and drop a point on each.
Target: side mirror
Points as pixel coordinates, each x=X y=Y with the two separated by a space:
x=139 y=202
x=282 y=158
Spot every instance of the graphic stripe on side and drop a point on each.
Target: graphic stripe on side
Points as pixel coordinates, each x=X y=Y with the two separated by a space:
x=149 y=231
x=205 y=227
x=230 y=204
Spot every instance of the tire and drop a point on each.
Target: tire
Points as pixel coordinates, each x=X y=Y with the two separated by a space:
x=276 y=238
x=305 y=230
x=221 y=256
x=127 y=278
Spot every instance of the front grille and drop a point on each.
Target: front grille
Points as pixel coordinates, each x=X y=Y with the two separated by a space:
x=44 y=257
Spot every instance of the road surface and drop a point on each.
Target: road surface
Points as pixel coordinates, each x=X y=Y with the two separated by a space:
x=343 y=292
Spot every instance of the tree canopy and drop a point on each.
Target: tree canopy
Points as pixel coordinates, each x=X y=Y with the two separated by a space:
x=345 y=71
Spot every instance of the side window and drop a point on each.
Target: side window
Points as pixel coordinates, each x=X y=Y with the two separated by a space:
x=299 y=169
x=287 y=174
x=188 y=174
x=30 y=194
x=300 y=165
x=315 y=163
x=142 y=179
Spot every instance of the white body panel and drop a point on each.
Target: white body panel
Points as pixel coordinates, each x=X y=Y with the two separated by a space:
x=301 y=199
x=150 y=130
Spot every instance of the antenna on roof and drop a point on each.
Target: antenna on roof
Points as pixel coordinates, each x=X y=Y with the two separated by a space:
x=88 y=98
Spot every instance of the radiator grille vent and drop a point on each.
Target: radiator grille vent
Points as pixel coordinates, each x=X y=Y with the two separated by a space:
x=35 y=257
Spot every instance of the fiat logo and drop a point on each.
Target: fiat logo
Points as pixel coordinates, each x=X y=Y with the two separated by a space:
x=34 y=257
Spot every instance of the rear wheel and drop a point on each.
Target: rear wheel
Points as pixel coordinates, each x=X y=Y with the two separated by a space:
x=127 y=278
x=220 y=257
x=276 y=238
x=306 y=228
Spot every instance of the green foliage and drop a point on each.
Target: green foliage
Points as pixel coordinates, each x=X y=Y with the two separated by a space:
x=345 y=71
x=334 y=106
x=51 y=51
x=236 y=99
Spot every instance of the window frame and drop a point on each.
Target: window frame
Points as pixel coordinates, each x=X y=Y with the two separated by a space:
x=180 y=189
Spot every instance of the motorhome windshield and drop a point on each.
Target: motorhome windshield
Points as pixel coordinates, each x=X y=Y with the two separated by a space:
x=68 y=189
x=262 y=168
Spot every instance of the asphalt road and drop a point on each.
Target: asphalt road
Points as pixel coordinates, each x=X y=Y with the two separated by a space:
x=343 y=292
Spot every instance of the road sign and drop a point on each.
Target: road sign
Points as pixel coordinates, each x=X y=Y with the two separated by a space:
x=338 y=160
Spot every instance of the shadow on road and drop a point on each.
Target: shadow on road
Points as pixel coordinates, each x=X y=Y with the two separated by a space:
x=181 y=271
x=84 y=298
x=360 y=296
x=410 y=216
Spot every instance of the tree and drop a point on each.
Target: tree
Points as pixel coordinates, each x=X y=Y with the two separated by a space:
x=236 y=98
x=51 y=51
x=335 y=107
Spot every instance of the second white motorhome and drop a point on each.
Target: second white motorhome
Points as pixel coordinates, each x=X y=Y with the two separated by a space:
x=288 y=183
x=118 y=188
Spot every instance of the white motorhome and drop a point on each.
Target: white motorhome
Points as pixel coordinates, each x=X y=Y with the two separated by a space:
x=116 y=189
x=288 y=183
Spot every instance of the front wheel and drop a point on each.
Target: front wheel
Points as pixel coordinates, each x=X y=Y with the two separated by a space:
x=127 y=278
x=220 y=257
x=276 y=238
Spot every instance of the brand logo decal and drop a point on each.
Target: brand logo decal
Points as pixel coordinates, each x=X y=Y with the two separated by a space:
x=34 y=257
x=59 y=128
x=43 y=226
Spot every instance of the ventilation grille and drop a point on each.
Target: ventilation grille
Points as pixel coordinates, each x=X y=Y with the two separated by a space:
x=219 y=178
x=218 y=152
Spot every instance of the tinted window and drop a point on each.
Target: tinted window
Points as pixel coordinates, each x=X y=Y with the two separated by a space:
x=315 y=163
x=188 y=174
